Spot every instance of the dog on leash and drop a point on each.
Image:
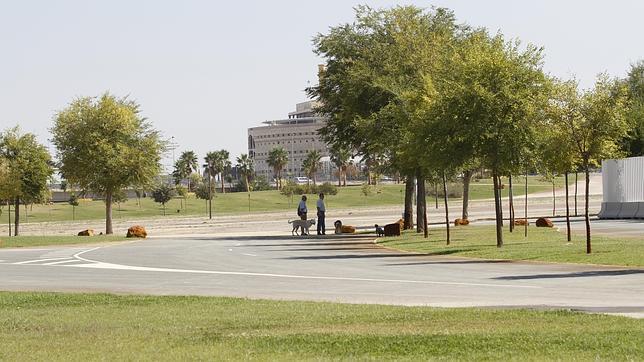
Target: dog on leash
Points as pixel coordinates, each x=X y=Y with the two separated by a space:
x=303 y=224
x=380 y=231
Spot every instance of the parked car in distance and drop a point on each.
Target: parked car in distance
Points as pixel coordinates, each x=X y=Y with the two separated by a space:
x=302 y=180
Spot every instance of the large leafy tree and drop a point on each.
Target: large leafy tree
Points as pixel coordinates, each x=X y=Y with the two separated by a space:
x=246 y=167
x=26 y=168
x=494 y=94
x=377 y=71
x=278 y=159
x=311 y=164
x=105 y=145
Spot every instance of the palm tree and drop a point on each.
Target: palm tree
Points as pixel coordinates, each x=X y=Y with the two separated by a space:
x=277 y=159
x=340 y=158
x=246 y=168
x=185 y=165
x=311 y=164
x=219 y=165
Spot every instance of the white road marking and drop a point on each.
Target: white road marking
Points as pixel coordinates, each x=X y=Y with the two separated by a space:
x=101 y=265
x=62 y=262
x=249 y=254
x=38 y=260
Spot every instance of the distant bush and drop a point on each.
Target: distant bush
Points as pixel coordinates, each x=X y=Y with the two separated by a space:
x=201 y=191
x=289 y=188
x=327 y=188
x=260 y=184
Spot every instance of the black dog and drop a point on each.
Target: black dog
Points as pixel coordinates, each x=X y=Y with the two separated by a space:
x=380 y=231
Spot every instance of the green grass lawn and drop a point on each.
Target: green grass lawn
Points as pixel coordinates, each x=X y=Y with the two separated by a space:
x=542 y=244
x=51 y=326
x=25 y=241
x=231 y=203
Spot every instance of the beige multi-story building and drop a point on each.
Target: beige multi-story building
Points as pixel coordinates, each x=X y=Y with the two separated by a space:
x=297 y=134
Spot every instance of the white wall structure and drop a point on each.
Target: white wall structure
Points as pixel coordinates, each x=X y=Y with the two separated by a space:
x=623 y=188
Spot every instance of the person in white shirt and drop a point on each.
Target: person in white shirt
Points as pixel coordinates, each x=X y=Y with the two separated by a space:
x=302 y=211
x=321 y=210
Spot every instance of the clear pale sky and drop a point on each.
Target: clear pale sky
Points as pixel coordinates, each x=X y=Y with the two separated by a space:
x=205 y=71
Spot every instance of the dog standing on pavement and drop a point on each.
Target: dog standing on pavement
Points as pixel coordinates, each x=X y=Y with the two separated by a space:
x=380 y=231
x=304 y=224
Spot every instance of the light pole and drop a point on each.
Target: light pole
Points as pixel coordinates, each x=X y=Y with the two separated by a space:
x=173 y=146
x=209 y=194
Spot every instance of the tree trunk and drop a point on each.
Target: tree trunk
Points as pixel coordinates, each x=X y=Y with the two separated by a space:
x=344 y=176
x=497 y=209
x=587 y=217
x=554 y=205
x=567 y=207
x=339 y=176
x=500 y=201
x=16 y=221
x=9 y=214
x=108 y=213
x=511 y=203
x=446 y=207
x=409 y=204
x=467 y=178
x=576 y=213
x=525 y=211
x=426 y=228
x=421 y=201
x=436 y=196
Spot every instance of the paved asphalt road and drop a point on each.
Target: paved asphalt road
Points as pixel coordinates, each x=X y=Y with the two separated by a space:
x=350 y=270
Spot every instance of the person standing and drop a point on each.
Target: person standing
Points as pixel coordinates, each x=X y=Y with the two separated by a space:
x=302 y=211
x=321 y=211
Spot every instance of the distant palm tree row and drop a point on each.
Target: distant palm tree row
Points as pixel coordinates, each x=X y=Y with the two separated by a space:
x=218 y=164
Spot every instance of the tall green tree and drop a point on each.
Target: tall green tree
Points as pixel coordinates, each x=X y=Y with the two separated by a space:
x=311 y=164
x=377 y=71
x=246 y=167
x=278 y=159
x=105 y=145
x=596 y=125
x=27 y=167
x=556 y=153
x=496 y=91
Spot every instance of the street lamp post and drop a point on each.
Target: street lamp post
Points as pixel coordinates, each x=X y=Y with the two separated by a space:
x=209 y=194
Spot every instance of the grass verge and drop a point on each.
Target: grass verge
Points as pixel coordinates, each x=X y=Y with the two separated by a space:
x=26 y=241
x=52 y=326
x=543 y=244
